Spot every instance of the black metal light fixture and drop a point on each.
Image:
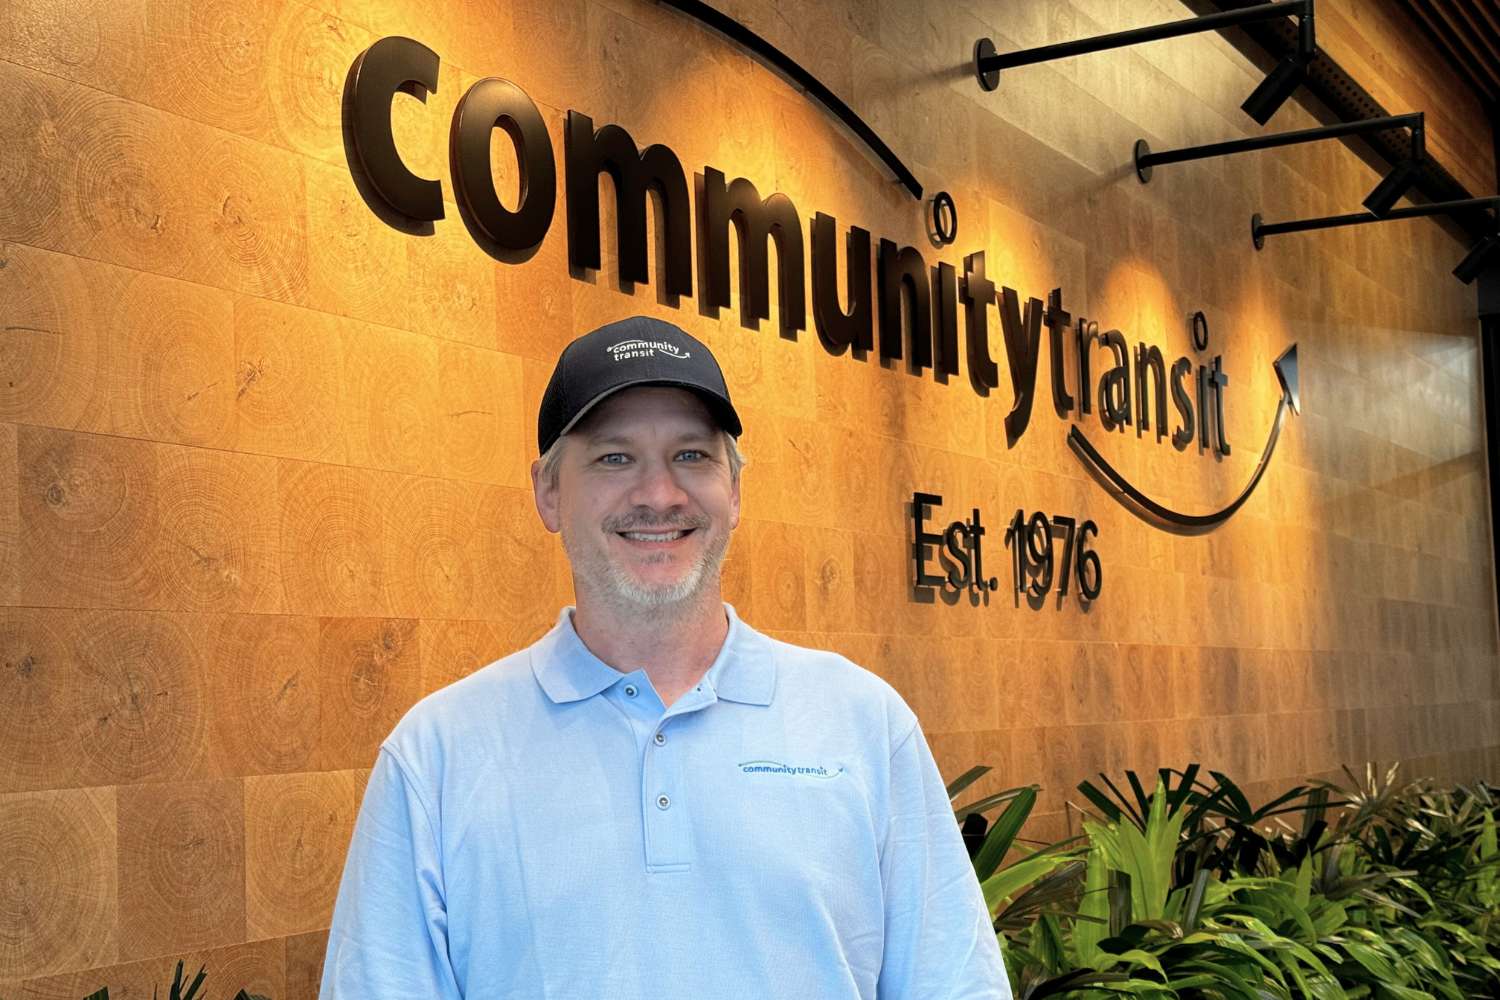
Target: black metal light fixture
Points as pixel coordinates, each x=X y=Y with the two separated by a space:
x=1395 y=184
x=1379 y=201
x=1286 y=77
x=1262 y=103
x=1403 y=175
x=1480 y=256
x=1145 y=159
x=1474 y=263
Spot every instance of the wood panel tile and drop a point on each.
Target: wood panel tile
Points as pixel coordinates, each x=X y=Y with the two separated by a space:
x=288 y=381
x=485 y=428
x=257 y=967
x=297 y=830
x=304 y=964
x=453 y=279
x=332 y=537
x=39 y=701
x=95 y=697
x=125 y=523
x=514 y=560
x=828 y=574
x=369 y=674
x=52 y=349
x=142 y=710
x=263 y=678
x=217 y=519
x=60 y=908
x=89 y=512
x=451 y=650
x=777 y=588
x=391 y=399
x=181 y=866
x=360 y=269
x=431 y=568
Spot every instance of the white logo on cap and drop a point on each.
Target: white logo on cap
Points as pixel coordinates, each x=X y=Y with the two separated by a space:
x=627 y=349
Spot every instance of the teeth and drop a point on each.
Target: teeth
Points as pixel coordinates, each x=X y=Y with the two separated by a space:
x=643 y=536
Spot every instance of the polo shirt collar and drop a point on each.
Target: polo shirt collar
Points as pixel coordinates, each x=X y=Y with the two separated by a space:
x=744 y=671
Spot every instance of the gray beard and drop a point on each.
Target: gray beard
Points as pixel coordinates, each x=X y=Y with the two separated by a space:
x=614 y=587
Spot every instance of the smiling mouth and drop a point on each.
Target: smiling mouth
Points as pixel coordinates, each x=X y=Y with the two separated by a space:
x=654 y=537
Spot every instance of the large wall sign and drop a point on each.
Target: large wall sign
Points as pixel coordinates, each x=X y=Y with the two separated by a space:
x=1165 y=517
x=911 y=314
x=1047 y=555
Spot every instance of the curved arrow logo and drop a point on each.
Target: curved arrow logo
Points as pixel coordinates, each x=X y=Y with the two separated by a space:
x=1164 y=517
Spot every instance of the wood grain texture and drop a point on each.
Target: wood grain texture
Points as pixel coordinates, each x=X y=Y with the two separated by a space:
x=369 y=674
x=484 y=417
x=181 y=867
x=288 y=382
x=297 y=828
x=304 y=964
x=58 y=906
x=452 y=650
x=391 y=381
x=1412 y=76
x=134 y=524
x=264 y=685
x=258 y=967
x=10 y=515
x=332 y=531
x=99 y=697
x=40 y=690
x=264 y=458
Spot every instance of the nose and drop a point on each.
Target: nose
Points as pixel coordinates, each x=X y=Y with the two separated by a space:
x=657 y=488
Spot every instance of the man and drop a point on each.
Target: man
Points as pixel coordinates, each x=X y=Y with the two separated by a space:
x=654 y=800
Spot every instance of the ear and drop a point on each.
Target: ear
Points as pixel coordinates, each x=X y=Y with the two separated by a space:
x=544 y=490
x=734 y=501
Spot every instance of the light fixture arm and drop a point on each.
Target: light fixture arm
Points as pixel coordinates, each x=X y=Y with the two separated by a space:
x=1145 y=159
x=988 y=62
x=1466 y=270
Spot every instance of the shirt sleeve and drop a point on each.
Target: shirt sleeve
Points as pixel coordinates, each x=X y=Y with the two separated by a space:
x=389 y=936
x=939 y=943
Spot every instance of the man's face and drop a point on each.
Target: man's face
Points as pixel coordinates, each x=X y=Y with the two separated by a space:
x=643 y=499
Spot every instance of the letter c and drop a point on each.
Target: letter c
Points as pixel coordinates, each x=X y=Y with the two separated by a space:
x=392 y=64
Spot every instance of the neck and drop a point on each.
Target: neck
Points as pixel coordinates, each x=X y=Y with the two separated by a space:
x=675 y=645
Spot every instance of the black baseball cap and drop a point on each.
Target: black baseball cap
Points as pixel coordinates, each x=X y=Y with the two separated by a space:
x=640 y=350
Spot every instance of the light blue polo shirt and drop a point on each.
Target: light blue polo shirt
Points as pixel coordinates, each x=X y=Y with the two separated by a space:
x=545 y=830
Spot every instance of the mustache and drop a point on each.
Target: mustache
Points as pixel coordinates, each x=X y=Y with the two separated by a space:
x=640 y=521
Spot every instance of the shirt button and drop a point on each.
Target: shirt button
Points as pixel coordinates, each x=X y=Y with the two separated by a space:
x=661 y=739
x=662 y=802
x=630 y=690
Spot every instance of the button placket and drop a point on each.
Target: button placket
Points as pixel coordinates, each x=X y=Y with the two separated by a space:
x=667 y=826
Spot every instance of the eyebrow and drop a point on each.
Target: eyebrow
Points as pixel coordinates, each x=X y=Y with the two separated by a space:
x=619 y=439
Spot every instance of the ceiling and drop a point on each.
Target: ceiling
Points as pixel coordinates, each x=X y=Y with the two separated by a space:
x=1467 y=32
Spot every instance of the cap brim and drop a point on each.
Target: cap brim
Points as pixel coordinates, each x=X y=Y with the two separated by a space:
x=721 y=408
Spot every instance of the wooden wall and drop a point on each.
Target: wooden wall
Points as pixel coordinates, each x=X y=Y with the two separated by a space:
x=1411 y=75
x=263 y=457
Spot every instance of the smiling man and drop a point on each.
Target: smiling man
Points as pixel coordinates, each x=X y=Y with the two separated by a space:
x=655 y=800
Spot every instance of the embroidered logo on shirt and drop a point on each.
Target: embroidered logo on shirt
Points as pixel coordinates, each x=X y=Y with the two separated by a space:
x=627 y=349
x=777 y=767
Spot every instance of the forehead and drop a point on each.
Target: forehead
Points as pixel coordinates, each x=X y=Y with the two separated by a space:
x=647 y=407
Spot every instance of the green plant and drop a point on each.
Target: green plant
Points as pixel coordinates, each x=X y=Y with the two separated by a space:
x=1019 y=892
x=1382 y=890
x=176 y=991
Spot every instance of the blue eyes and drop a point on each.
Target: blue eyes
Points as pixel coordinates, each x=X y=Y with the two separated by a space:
x=620 y=458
